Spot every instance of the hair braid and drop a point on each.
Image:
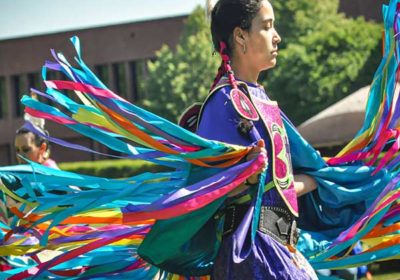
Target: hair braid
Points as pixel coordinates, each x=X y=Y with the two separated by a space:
x=225 y=67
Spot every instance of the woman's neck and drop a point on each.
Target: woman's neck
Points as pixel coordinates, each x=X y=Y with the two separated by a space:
x=244 y=71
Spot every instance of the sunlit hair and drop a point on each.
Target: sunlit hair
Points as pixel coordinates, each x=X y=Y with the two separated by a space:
x=226 y=15
x=229 y=14
x=210 y=4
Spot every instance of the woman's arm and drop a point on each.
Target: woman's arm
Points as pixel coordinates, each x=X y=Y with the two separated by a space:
x=304 y=184
x=253 y=179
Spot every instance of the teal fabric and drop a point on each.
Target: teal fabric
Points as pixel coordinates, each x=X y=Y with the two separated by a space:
x=185 y=245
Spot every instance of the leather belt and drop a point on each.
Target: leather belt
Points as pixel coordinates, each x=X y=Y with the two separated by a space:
x=234 y=215
x=277 y=222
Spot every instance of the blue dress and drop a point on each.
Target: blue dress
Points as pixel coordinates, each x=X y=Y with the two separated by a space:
x=266 y=258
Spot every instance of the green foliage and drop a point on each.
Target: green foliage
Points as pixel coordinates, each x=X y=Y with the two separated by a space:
x=324 y=58
x=111 y=168
x=296 y=18
x=181 y=77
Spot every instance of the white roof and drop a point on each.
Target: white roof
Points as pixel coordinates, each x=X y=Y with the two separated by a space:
x=25 y=18
x=338 y=123
x=353 y=103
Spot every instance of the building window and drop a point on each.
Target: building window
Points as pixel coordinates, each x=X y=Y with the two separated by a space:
x=3 y=98
x=5 y=154
x=51 y=75
x=119 y=75
x=19 y=89
x=133 y=66
x=102 y=74
x=34 y=81
x=139 y=72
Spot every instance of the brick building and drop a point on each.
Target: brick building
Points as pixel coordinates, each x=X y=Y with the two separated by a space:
x=117 y=54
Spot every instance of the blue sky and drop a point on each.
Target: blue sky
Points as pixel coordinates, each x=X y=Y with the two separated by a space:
x=21 y=18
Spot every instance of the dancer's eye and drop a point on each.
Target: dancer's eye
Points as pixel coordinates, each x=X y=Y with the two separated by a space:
x=23 y=150
x=268 y=24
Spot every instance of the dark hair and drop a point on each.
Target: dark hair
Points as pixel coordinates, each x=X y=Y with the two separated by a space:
x=225 y=17
x=38 y=140
x=229 y=14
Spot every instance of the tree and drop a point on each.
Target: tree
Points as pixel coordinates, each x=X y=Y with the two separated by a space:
x=324 y=58
x=181 y=77
x=296 y=18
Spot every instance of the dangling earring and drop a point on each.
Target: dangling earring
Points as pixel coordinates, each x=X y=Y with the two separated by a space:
x=244 y=48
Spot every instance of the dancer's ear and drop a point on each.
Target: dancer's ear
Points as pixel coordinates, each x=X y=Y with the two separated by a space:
x=44 y=153
x=240 y=36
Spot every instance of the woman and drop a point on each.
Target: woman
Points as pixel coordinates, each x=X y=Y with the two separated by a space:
x=29 y=146
x=33 y=147
x=243 y=33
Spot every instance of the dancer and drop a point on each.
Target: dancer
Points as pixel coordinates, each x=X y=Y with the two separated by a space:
x=35 y=148
x=244 y=34
x=234 y=112
x=29 y=146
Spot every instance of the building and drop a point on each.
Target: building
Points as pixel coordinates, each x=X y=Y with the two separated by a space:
x=332 y=128
x=117 y=53
x=370 y=9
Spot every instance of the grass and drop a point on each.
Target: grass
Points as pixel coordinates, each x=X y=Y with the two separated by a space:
x=387 y=276
x=118 y=168
x=388 y=270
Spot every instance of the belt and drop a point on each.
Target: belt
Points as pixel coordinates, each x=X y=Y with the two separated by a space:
x=277 y=222
x=233 y=216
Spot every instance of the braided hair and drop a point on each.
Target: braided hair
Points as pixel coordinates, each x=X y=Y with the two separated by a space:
x=226 y=15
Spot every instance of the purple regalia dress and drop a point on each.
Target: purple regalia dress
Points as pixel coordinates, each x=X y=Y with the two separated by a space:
x=265 y=258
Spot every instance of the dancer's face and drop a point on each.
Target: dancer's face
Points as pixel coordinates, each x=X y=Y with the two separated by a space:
x=26 y=147
x=262 y=39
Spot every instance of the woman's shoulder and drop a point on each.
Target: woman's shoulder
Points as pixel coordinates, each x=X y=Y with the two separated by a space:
x=213 y=103
x=51 y=163
x=219 y=93
x=217 y=102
